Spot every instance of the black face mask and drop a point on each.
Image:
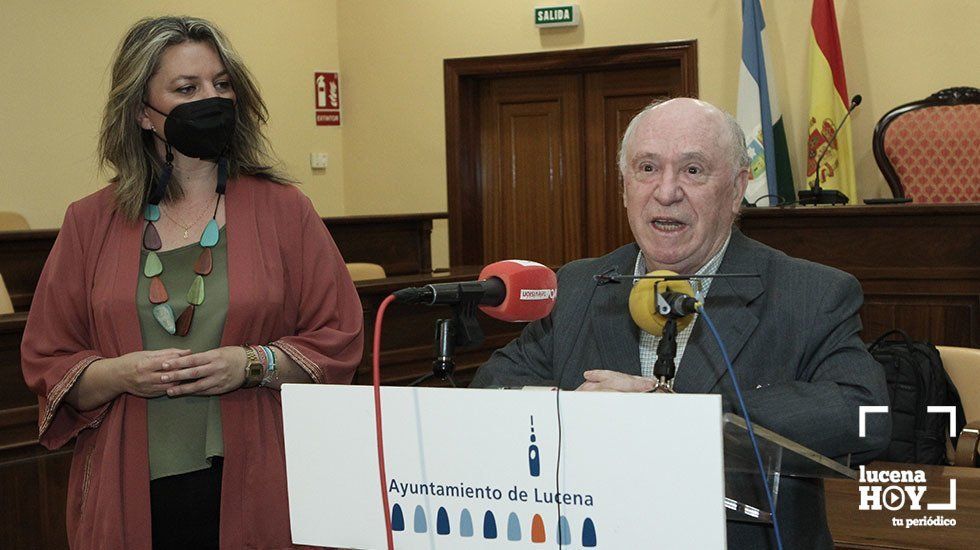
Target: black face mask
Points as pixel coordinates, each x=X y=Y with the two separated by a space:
x=200 y=129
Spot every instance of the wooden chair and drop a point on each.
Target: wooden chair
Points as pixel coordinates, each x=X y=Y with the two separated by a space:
x=5 y=305
x=929 y=149
x=12 y=221
x=963 y=366
x=365 y=271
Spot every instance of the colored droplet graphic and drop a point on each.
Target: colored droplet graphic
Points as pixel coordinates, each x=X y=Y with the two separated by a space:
x=533 y=454
x=465 y=524
x=489 y=525
x=513 y=527
x=397 y=519
x=537 y=529
x=420 y=524
x=588 y=533
x=564 y=531
x=533 y=461
x=442 y=521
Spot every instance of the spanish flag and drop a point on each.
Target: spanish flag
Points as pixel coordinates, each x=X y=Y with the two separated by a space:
x=828 y=105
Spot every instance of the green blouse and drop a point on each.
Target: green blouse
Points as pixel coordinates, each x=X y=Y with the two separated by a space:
x=185 y=432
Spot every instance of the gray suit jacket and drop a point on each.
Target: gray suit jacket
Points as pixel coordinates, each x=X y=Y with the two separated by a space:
x=792 y=336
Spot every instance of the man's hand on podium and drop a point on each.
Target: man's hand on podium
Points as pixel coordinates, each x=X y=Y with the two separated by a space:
x=607 y=380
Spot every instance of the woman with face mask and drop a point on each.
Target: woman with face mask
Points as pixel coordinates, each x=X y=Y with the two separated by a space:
x=175 y=303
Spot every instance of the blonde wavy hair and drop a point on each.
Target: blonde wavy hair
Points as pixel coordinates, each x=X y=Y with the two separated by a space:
x=130 y=152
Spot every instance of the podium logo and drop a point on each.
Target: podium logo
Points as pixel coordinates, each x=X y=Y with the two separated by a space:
x=533 y=454
x=518 y=513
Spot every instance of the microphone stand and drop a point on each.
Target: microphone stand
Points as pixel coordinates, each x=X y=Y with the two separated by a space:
x=817 y=194
x=463 y=330
x=665 y=367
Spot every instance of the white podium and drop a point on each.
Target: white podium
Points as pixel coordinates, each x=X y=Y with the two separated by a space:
x=471 y=468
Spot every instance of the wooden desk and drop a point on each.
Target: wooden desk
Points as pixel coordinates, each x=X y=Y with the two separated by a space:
x=872 y=529
x=400 y=243
x=919 y=265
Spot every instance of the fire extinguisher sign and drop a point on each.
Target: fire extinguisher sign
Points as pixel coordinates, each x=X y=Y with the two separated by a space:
x=326 y=90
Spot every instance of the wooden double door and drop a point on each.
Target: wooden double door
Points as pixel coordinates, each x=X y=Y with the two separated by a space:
x=533 y=157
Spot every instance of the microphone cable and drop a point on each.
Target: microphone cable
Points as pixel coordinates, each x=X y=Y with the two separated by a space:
x=558 y=390
x=376 y=360
x=748 y=423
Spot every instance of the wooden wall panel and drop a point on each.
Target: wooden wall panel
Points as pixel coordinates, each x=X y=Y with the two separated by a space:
x=531 y=173
x=919 y=265
x=941 y=319
x=22 y=255
x=466 y=80
x=34 y=489
x=612 y=99
x=400 y=243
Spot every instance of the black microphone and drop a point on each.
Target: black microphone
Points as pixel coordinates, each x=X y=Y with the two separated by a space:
x=515 y=291
x=489 y=292
x=816 y=194
x=606 y=277
x=676 y=304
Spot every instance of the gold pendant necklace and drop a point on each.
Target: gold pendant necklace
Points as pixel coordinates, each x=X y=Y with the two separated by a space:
x=187 y=228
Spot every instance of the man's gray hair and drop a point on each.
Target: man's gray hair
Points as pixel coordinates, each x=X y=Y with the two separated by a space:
x=738 y=151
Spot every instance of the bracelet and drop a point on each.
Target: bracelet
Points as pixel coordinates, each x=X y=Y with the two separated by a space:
x=254 y=369
x=272 y=370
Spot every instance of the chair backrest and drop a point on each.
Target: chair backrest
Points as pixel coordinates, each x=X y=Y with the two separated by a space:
x=364 y=271
x=5 y=305
x=963 y=366
x=12 y=221
x=929 y=149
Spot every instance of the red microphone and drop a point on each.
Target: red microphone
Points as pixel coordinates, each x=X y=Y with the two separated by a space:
x=530 y=290
x=509 y=290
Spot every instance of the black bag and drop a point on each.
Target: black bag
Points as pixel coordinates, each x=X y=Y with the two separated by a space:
x=916 y=379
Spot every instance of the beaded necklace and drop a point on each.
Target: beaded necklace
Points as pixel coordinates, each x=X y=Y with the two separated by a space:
x=153 y=268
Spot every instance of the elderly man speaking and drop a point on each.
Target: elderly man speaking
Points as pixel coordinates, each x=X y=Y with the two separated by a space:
x=792 y=333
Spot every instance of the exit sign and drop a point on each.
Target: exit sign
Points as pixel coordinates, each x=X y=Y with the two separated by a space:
x=557 y=16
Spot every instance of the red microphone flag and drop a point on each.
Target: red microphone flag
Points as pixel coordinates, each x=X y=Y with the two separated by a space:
x=531 y=289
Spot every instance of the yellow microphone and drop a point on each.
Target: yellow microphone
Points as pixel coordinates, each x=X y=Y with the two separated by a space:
x=651 y=315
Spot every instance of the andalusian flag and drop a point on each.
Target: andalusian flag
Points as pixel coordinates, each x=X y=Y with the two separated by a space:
x=759 y=116
x=828 y=105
